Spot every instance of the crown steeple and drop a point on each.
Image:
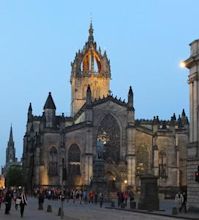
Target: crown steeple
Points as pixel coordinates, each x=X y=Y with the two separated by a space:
x=91 y=37
x=90 y=67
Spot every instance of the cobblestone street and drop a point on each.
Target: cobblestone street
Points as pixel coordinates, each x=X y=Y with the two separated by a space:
x=77 y=212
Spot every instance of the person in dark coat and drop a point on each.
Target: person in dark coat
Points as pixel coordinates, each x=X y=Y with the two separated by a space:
x=101 y=199
x=8 y=201
x=41 y=200
x=23 y=202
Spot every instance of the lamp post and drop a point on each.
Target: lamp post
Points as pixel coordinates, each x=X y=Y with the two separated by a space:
x=62 y=190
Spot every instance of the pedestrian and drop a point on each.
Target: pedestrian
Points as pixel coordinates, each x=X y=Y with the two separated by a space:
x=7 y=201
x=17 y=201
x=178 y=201
x=184 y=203
x=101 y=199
x=1 y=198
x=23 y=203
x=40 y=200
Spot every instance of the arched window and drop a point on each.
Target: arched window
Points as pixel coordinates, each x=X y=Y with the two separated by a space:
x=53 y=162
x=142 y=159
x=74 y=161
x=162 y=164
x=108 y=140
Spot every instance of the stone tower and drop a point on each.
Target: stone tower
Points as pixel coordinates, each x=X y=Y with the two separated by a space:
x=92 y=68
x=192 y=63
x=10 y=150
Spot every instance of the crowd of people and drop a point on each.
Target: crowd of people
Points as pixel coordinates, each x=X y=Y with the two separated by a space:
x=81 y=196
x=74 y=195
x=15 y=194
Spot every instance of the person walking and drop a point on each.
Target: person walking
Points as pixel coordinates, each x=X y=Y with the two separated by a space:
x=23 y=203
x=101 y=199
x=8 y=201
x=40 y=200
x=178 y=201
x=184 y=203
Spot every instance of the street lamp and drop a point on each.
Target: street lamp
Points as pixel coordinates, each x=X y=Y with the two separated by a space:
x=182 y=64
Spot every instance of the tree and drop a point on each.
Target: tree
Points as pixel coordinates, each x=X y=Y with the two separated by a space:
x=14 y=176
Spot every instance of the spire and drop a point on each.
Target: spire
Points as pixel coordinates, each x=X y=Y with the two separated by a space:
x=90 y=37
x=11 y=135
x=49 y=102
x=183 y=113
x=88 y=96
x=10 y=150
x=30 y=113
x=130 y=99
x=173 y=117
x=180 y=125
x=30 y=107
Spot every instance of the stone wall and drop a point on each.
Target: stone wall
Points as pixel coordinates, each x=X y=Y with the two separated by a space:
x=192 y=185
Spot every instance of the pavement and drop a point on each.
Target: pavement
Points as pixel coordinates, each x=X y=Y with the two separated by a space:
x=77 y=211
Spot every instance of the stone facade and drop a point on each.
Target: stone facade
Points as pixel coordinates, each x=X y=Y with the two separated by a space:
x=60 y=149
x=192 y=63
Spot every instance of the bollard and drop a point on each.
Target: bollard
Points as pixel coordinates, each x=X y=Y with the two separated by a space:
x=112 y=204
x=132 y=204
x=174 y=211
x=49 y=208
x=60 y=212
x=40 y=206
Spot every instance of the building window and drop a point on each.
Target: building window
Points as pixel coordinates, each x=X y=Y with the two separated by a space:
x=74 y=161
x=108 y=140
x=162 y=165
x=53 y=162
x=142 y=159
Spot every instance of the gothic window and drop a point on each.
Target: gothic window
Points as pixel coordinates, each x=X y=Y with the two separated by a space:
x=74 y=160
x=162 y=165
x=53 y=162
x=142 y=159
x=91 y=63
x=108 y=140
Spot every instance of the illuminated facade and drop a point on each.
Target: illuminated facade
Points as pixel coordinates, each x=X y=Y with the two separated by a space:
x=101 y=126
x=192 y=63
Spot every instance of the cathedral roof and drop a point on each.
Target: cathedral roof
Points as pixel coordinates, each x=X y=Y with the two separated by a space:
x=90 y=60
x=101 y=101
x=49 y=102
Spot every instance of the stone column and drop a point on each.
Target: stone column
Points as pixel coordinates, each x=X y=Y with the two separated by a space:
x=155 y=160
x=195 y=115
x=131 y=163
x=178 y=166
x=191 y=111
x=88 y=157
x=37 y=164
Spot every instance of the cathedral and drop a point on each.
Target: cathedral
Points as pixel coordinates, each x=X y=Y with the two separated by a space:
x=61 y=149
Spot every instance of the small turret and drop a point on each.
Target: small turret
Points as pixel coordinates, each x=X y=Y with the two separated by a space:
x=130 y=99
x=88 y=96
x=30 y=112
x=49 y=103
x=180 y=125
x=184 y=118
x=49 y=111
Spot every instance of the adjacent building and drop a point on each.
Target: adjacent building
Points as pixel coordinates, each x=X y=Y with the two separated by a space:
x=192 y=63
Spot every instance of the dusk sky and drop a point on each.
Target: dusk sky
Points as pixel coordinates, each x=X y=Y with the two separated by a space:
x=145 y=40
